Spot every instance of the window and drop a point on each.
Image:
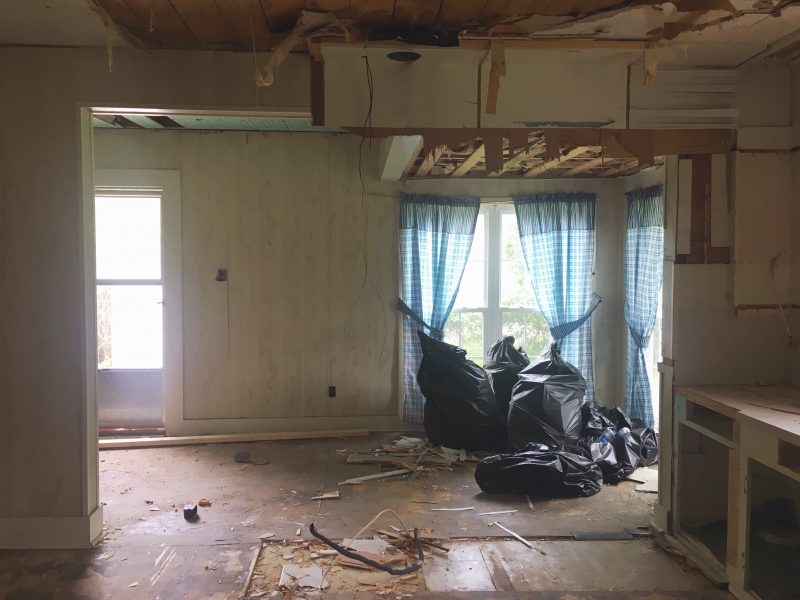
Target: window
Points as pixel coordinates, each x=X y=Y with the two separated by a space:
x=129 y=286
x=496 y=297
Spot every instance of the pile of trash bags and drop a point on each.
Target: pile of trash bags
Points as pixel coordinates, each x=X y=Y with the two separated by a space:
x=460 y=406
x=559 y=444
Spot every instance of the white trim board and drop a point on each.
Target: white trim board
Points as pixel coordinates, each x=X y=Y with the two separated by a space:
x=189 y=440
x=17 y=533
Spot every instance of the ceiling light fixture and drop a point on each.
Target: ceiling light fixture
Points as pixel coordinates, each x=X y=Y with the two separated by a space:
x=405 y=56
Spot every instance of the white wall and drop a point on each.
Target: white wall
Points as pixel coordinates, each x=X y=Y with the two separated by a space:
x=607 y=320
x=283 y=213
x=48 y=469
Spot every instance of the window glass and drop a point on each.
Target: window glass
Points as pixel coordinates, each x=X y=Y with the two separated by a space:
x=128 y=236
x=472 y=292
x=515 y=283
x=129 y=327
x=465 y=329
x=529 y=329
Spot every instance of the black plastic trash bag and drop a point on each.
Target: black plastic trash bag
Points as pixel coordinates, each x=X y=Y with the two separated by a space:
x=539 y=471
x=546 y=403
x=596 y=422
x=503 y=363
x=460 y=408
x=603 y=455
x=648 y=445
x=637 y=448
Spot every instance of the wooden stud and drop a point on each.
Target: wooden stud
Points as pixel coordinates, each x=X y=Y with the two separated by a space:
x=429 y=161
x=584 y=166
x=554 y=162
x=470 y=161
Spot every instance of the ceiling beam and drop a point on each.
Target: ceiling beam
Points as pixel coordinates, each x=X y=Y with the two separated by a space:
x=428 y=161
x=554 y=162
x=584 y=166
x=470 y=161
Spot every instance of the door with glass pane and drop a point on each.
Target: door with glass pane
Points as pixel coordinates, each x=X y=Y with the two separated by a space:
x=130 y=338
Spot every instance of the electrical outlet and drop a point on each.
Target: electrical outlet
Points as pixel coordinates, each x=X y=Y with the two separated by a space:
x=331 y=391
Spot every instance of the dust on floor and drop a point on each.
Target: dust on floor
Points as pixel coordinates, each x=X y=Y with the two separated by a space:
x=149 y=553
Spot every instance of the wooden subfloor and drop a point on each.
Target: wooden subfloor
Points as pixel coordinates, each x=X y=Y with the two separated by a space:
x=150 y=551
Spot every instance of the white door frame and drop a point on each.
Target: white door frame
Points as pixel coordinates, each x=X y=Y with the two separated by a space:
x=169 y=182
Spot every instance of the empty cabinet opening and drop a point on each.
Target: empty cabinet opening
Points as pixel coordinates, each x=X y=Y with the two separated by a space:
x=773 y=553
x=703 y=485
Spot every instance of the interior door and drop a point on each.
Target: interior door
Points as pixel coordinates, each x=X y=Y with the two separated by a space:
x=130 y=316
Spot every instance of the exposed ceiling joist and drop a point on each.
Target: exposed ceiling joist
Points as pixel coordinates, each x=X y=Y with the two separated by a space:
x=584 y=166
x=431 y=158
x=465 y=167
x=554 y=162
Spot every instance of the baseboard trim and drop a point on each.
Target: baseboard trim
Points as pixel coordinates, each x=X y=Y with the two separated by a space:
x=190 y=440
x=22 y=533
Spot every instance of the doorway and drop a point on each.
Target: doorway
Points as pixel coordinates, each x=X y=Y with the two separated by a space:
x=130 y=264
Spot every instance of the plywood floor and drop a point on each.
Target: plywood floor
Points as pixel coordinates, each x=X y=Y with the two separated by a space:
x=150 y=551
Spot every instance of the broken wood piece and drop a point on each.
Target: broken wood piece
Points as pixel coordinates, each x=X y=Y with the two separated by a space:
x=514 y=534
x=454 y=509
x=327 y=496
x=384 y=559
x=497 y=512
x=355 y=480
x=530 y=503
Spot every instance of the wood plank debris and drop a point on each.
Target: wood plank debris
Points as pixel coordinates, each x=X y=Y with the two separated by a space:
x=355 y=480
x=454 y=509
x=327 y=496
x=530 y=503
x=514 y=534
x=497 y=512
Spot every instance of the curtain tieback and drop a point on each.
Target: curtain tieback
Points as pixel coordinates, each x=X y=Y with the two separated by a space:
x=559 y=332
x=407 y=310
x=640 y=340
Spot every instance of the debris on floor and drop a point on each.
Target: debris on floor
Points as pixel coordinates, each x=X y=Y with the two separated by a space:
x=190 y=512
x=302 y=577
x=327 y=496
x=204 y=502
x=241 y=457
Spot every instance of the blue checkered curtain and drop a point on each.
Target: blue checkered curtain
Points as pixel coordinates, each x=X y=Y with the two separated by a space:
x=435 y=239
x=557 y=236
x=644 y=266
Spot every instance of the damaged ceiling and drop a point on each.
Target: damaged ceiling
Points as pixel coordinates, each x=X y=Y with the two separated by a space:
x=751 y=27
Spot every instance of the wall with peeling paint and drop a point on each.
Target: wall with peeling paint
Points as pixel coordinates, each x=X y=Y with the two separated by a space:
x=794 y=353
x=710 y=343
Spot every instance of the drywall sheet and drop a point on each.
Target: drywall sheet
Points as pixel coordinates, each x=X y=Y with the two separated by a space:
x=762 y=223
x=549 y=88
x=710 y=344
x=684 y=227
x=540 y=88
x=720 y=217
x=684 y=99
x=439 y=90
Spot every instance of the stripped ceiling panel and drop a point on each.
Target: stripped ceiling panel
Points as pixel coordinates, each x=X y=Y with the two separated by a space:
x=753 y=26
x=529 y=161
